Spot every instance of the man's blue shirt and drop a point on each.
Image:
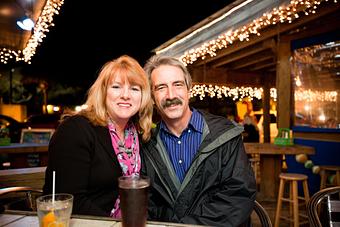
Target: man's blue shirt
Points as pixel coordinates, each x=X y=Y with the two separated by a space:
x=182 y=149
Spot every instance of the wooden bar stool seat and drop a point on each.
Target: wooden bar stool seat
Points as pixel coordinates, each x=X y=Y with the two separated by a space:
x=293 y=199
x=325 y=172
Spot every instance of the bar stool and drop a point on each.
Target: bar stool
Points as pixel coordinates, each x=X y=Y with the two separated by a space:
x=326 y=171
x=293 y=179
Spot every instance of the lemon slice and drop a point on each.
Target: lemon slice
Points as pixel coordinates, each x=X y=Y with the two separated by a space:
x=48 y=218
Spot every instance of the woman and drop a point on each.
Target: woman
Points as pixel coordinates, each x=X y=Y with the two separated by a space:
x=92 y=148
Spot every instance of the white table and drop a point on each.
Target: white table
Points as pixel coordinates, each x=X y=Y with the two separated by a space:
x=19 y=219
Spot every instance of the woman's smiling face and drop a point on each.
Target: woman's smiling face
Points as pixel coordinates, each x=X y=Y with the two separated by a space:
x=123 y=100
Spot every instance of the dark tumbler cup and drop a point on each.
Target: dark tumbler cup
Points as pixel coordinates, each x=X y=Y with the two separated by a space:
x=133 y=191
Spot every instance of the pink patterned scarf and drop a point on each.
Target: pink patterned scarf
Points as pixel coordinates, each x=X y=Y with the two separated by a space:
x=127 y=154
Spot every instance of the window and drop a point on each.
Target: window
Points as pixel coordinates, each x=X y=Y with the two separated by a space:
x=316 y=77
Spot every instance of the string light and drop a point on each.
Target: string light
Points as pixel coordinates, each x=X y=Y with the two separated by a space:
x=239 y=93
x=236 y=93
x=285 y=13
x=316 y=96
x=7 y=54
x=44 y=21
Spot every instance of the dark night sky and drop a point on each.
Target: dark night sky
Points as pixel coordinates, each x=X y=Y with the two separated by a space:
x=89 y=33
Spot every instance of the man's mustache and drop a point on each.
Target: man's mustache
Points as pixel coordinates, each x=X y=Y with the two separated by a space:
x=169 y=102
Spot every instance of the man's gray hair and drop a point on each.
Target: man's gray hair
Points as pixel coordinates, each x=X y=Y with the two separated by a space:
x=158 y=60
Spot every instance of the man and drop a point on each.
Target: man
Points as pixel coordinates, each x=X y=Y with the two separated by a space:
x=199 y=170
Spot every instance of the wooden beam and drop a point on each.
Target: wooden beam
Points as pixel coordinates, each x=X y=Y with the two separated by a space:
x=222 y=76
x=263 y=66
x=321 y=136
x=255 y=59
x=267 y=44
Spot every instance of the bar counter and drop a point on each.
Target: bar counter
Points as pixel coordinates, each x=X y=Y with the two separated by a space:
x=21 y=155
x=19 y=148
x=271 y=163
x=272 y=149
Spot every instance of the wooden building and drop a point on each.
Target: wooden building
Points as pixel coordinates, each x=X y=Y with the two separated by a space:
x=254 y=43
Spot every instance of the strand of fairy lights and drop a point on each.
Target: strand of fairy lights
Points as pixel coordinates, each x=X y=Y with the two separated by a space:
x=236 y=93
x=44 y=21
x=316 y=96
x=239 y=93
x=7 y=54
x=277 y=15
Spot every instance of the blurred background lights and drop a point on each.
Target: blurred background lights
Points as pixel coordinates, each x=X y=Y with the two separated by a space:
x=79 y=108
x=298 y=81
x=307 y=107
x=322 y=117
x=51 y=109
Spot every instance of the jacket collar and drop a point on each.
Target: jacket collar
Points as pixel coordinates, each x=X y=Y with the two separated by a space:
x=105 y=140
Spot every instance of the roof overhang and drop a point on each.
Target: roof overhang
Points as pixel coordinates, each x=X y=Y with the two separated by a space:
x=17 y=44
x=238 y=23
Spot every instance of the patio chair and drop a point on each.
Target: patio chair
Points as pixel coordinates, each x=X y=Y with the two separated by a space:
x=262 y=215
x=12 y=198
x=328 y=199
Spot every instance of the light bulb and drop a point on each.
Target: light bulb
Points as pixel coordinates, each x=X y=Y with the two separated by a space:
x=26 y=24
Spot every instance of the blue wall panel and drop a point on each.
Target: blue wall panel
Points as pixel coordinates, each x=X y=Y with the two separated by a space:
x=326 y=153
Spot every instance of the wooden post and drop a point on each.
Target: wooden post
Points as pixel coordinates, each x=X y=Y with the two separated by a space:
x=11 y=86
x=266 y=108
x=283 y=84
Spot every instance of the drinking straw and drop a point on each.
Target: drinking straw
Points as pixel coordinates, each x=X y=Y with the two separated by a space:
x=53 y=187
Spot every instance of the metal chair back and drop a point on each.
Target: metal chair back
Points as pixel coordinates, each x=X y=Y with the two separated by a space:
x=262 y=215
x=29 y=198
x=331 y=197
